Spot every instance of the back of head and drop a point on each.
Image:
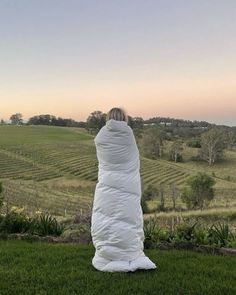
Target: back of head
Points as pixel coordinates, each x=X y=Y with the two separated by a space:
x=117 y=114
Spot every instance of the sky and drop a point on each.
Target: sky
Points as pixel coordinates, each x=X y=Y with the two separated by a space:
x=169 y=58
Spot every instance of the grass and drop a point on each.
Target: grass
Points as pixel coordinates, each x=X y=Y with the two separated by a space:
x=32 y=158
x=42 y=268
x=12 y=134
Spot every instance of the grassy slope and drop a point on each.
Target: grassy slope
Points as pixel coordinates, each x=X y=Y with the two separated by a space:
x=12 y=135
x=42 y=268
x=33 y=157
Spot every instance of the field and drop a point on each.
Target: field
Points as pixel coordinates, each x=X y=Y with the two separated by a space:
x=44 y=268
x=55 y=168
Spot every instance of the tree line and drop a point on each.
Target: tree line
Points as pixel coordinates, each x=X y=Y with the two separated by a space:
x=211 y=144
x=156 y=139
x=197 y=193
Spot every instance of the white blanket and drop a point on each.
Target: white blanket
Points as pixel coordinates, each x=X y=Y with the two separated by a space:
x=117 y=217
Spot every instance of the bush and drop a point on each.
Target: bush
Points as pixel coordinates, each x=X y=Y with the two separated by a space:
x=14 y=222
x=194 y=142
x=198 y=191
x=150 y=232
x=1 y=198
x=45 y=224
x=220 y=234
x=185 y=231
x=150 y=192
x=144 y=206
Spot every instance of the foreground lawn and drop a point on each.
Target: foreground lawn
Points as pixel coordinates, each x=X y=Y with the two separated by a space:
x=43 y=268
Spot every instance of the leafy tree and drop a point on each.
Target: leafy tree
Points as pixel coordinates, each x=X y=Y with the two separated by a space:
x=150 y=192
x=198 y=191
x=42 y=120
x=144 y=205
x=161 y=207
x=96 y=121
x=231 y=139
x=195 y=142
x=16 y=119
x=138 y=123
x=174 y=194
x=53 y=121
x=175 y=151
x=2 y=122
x=1 y=197
x=213 y=143
x=153 y=141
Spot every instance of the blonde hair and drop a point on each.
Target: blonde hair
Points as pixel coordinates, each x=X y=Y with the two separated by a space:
x=118 y=114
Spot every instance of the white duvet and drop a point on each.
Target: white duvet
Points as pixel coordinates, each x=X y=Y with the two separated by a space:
x=117 y=217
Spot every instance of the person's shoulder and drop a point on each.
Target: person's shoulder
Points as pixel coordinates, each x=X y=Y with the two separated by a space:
x=129 y=129
x=100 y=132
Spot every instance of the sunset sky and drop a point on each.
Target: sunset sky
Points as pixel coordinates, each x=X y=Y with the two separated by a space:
x=172 y=58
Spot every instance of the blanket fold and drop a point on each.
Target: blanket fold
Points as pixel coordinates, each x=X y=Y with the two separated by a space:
x=117 y=217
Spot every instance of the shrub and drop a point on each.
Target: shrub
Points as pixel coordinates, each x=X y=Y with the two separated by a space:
x=1 y=197
x=150 y=228
x=14 y=222
x=144 y=206
x=198 y=191
x=194 y=142
x=220 y=234
x=185 y=231
x=45 y=224
x=150 y=192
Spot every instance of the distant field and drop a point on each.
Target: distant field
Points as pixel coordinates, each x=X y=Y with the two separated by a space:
x=12 y=135
x=55 y=168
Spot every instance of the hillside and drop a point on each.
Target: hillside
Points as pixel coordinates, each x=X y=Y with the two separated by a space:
x=55 y=168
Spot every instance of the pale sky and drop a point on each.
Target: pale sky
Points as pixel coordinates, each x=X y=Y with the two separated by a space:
x=68 y=58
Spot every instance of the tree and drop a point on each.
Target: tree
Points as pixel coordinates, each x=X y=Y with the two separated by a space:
x=153 y=140
x=96 y=121
x=150 y=192
x=175 y=151
x=2 y=122
x=174 y=194
x=198 y=191
x=231 y=139
x=162 y=198
x=138 y=123
x=1 y=197
x=213 y=143
x=16 y=119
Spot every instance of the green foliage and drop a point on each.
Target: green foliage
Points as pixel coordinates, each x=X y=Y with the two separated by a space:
x=14 y=222
x=185 y=231
x=144 y=206
x=16 y=119
x=175 y=152
x=213 y=143
x=153 y=140
x=220 y=234
x=189 y=230
x=1 y=197
x=151 y=229
x=150 y=192
x=96 y=121
x=199 y=191
x=195 y=142
x=45 y=224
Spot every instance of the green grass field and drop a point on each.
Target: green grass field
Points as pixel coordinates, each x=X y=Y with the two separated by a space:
x=55 y=168
x=43 y=268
